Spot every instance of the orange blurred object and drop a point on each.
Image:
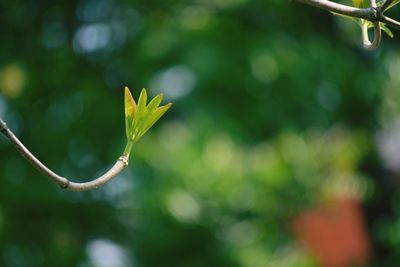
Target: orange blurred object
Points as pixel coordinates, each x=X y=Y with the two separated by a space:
x=335 y=234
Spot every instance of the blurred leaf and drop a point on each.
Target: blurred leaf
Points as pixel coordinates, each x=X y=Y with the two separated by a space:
x=361 y=3
x=353 y=19
x=387 y=30
x=383 y=27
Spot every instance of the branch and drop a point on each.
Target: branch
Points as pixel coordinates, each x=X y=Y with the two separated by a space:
x=363 y=13
x=377 y=32
x=391 y=22
x=386 y=4
x=63 y=182
x=371 y=14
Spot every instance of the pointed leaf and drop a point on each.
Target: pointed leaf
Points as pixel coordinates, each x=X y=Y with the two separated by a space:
x=154 y=103
x=140 y=126
x=130 y=104
x=128 y=127
x=130 y=110
x=387 y=30
x=142 y=100
x=154 y=117
x=141 y=111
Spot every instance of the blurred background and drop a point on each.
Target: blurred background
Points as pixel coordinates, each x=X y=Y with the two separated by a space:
x=281 y=149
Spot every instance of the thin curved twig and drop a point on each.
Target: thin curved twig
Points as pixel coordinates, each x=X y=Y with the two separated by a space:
x=63 y=182
x=377 y=33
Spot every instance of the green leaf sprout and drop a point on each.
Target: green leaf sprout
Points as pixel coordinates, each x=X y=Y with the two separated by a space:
x=140 y=117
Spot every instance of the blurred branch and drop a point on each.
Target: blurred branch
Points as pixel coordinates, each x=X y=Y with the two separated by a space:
x=377 y=33
x=386 y=4
x=363 y=13
x=390 y=21
x=63 y=182
x=373 y=14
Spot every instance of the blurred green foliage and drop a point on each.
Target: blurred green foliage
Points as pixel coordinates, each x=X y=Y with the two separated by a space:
x=276 y=106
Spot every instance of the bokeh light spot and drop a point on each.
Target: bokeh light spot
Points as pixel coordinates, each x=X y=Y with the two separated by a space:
x=264 y=68
x=195 y=17
x=105 y=253
x=183 y=206
x=176 y=82
x=328 y=96
x=12 y=80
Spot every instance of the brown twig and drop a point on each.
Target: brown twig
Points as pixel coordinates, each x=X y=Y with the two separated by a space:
x=63 y=182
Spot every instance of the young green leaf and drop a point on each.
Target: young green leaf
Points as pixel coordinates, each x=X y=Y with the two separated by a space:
x=139 y=118
x=130 y=110
x=142 y=99
x=153 y=118
x=150 y=109
x=155 y=102
x=130 y=104
x=140 y=114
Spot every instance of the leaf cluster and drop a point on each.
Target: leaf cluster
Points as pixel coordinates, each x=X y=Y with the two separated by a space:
x=140 y=117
